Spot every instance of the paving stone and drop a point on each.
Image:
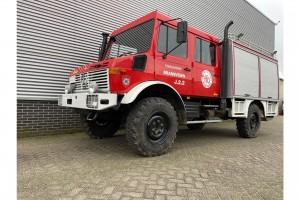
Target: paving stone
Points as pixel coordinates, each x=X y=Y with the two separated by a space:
x=204 y=175
x=133 y=183
x=175 y=198
x=80 y=197
x=185 y=185
x=116 y=195
x=165 y=192
x=181 y=191
x=199 y=185
x=74 y=192
x=176 y=180
x=171 y=186
x=218 y=171
x=189 y=180
x=108 y=190
x=134 y=194
x=159 y=197
x=156 y=187
x=149 y=193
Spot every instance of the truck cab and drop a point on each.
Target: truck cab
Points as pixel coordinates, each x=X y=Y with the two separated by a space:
x=157 y=72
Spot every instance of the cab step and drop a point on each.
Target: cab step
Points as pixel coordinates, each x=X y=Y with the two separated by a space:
x=204 y=121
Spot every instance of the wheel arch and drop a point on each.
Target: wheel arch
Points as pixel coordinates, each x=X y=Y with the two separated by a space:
x=157 y=89
x=261 y=106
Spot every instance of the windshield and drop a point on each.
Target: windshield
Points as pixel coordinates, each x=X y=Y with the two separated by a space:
x=132 y=41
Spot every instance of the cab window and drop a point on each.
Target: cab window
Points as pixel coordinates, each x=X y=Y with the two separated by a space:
x=167 y=41
x=205 y=52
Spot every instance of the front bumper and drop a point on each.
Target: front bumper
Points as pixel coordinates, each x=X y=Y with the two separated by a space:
x=97 y=101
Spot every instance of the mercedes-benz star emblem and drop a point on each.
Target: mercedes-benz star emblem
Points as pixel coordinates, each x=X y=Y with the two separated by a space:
x=84 y=81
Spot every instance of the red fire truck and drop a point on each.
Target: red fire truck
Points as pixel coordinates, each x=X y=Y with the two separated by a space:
x=157 y=72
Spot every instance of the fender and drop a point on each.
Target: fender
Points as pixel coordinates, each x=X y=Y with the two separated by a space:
x=134 y=92
x=247 y=105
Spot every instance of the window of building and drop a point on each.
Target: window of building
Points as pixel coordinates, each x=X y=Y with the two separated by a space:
x=167 y=40
x=205 y=52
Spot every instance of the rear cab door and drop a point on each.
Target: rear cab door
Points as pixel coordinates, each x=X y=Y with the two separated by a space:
x=175 y=69
x=206 y=68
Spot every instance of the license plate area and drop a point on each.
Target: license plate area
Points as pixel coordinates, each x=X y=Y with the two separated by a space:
x=92 y=101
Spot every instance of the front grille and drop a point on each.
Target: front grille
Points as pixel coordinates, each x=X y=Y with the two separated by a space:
x=83 y=80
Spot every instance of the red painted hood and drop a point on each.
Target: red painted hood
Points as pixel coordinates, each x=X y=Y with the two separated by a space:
x=91 y=67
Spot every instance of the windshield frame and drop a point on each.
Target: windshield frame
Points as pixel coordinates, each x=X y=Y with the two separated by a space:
x=112 y=40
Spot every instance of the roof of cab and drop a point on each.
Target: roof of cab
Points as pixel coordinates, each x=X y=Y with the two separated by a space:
x=162 y=17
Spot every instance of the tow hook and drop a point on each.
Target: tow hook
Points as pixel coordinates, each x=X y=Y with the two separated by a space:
x=91 y=116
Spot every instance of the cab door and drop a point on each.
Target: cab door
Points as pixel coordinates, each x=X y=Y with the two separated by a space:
x=206 y=69
x=175 y=69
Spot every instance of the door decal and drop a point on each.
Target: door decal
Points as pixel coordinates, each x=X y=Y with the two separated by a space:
x=206 y=78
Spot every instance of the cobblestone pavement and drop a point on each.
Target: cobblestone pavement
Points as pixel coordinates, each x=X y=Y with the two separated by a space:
x=212 y=164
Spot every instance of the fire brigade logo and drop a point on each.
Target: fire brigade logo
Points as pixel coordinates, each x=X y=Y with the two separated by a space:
x=126 y=80
x=206 y=79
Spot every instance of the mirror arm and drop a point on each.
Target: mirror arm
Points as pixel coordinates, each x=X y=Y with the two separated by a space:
x=171 y=20
x=165 y=55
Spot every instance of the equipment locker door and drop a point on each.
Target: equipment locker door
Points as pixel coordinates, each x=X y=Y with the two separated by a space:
x=206 y=69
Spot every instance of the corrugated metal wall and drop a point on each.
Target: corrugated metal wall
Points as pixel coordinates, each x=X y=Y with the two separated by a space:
x=54 y=37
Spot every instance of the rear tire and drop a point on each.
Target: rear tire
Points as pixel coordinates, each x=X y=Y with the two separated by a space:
x=151 y=126
x=249 y=127
x=99 y=128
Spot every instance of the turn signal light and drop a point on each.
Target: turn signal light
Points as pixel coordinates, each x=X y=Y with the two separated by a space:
x=116 y=71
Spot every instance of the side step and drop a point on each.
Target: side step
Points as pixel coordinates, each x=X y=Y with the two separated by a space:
x=204 y=121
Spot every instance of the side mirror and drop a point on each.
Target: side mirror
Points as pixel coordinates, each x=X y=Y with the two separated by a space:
x=182 y=32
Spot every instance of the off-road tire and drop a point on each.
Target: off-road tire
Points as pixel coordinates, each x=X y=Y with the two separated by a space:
x=249 y=127
x=95 y=130
x=195 y=126
x=151 y=126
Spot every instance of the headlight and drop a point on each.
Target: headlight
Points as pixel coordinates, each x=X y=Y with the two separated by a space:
x=72 y=79
x=93 y=87
x=69 y=88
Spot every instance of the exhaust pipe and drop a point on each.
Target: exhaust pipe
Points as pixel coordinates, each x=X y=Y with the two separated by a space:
x=224 y=68
x=103 y=46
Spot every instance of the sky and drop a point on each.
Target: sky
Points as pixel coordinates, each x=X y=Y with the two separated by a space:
x=273 y=9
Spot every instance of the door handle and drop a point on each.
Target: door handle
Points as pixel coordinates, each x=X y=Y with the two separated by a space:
x=187 y=69
x=216 y=75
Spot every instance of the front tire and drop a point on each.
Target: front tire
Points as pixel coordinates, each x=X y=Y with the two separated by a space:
x=151 y=126
x=99 y=128
x=249 y=127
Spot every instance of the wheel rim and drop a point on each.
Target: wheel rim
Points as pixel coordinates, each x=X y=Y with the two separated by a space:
x=157 y=127
x=254 y=121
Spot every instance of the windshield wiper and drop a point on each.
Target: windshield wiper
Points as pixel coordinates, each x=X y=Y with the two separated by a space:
x=126 y=53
